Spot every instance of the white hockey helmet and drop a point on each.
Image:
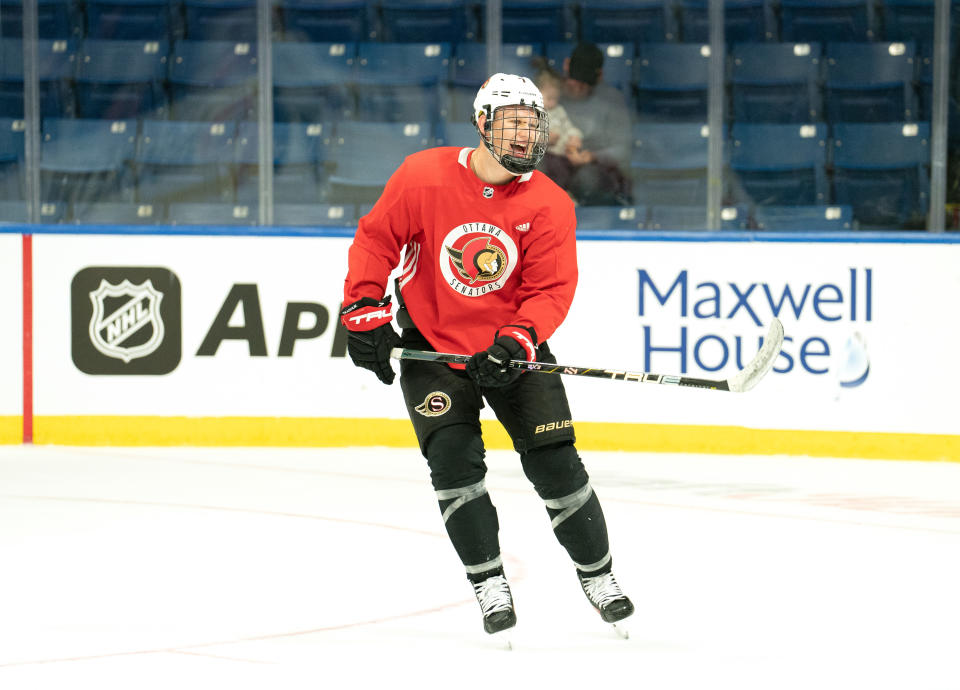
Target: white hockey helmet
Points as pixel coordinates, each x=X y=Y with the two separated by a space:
x=506 y=91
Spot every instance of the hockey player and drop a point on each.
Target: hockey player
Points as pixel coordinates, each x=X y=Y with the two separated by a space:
x=489 y=267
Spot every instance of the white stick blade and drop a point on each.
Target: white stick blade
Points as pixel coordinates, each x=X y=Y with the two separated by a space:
x=760 y=365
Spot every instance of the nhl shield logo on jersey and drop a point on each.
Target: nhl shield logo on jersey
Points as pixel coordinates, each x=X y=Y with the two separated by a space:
x=434 y=405
x=479 y=258
x=126 y=321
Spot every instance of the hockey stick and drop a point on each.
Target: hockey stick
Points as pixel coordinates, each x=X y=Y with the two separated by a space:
x=740 y=382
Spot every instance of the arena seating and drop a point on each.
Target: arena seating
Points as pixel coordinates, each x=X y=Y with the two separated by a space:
x=669 y=163
x=11 y=158
x=776 y=82
x=791 y=172
x=804 y=218
x=672 y=81
x=133 y=20
x=56 y=60
x=353 y=78
x=416 y=21
x=312 y=81
x=122 y=79
x=870 y=82
x=185 y=161
x=87 y=160
x=299 y=150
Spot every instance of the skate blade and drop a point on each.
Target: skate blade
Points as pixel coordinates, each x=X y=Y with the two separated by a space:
x=621 y=629
x=504 y=639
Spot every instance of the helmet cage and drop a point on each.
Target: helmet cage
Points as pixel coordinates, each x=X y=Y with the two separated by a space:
x=502 y=131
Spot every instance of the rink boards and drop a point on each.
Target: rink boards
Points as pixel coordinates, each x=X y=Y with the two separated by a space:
x=214 y=338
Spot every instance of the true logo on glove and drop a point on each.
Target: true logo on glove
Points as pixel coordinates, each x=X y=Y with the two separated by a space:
x=367 y=317
x=434 y=405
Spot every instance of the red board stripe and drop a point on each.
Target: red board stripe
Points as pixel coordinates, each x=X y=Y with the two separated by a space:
x=27 y=338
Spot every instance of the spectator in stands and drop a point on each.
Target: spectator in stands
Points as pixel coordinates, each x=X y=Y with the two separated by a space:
x=565 y=150
x=600 y=175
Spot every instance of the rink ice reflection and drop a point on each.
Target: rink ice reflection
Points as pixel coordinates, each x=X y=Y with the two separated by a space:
x=321 y=568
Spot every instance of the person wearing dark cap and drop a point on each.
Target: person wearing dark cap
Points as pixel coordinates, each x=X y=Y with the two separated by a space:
x=599 y=174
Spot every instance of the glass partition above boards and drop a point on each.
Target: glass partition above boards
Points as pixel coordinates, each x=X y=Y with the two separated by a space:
x=155 y=111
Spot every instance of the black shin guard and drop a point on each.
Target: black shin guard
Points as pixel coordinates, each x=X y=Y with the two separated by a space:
x=455 y=455
x=583 y=533
x=575 y=514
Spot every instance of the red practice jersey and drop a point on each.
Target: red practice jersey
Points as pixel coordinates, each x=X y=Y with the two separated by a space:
x=476 y=256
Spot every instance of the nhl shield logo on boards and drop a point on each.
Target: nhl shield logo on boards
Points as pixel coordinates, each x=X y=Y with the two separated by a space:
x=125 y=320
x=129 y=328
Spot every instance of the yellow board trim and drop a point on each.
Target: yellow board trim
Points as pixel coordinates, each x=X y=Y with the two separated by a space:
x=11 y=429
x=335 y=432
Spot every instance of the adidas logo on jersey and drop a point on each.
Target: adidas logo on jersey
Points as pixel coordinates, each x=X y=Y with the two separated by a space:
x=523 y=227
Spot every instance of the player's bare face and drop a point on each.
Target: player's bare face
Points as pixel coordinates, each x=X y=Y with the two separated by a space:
x=515 y=129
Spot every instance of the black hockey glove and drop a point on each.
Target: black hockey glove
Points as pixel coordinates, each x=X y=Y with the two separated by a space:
x=489 y=367
x=370 y=337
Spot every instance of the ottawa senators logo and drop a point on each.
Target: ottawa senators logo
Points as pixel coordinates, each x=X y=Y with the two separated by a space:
x=478 y=258
x=434 y=405
x=479 y=261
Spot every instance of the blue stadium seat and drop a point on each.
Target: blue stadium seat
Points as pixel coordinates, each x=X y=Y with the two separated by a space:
x=882 y=171
x=826 y=20
x=17 y=212
x=672 y=81
x=200 y=213
x=365 y=155
x=132 y=20
x=299 y=150
x=780 y=164
x=328 y=20
x=803 y=218
x=185 y=162
x=537 y=21
x=213 y=80
x=116 y=213
x=11 y=158
x=87 y=160
x=913 y=20
x=460 y=134
x=611 y=217
x=220 y=20
x=427 y=21
x=618 y=59
x=870 y=82
x=470 y=62
x=120 y=79
x=315 y=214
x=776 y=82
x=312 y=82
x=669 y=163
x=666 y=217
x=55 y=19
x=627 y=21
x=401 y=82
x=469 y=71
x=745 y=21
x=925 y=98
x=56 y=60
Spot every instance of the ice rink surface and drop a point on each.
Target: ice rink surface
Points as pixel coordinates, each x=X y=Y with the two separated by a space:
x=329 y=568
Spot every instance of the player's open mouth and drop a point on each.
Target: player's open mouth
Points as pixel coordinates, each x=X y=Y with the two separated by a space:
x=518 y=149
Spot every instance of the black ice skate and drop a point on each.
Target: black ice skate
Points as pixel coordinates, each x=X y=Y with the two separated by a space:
x=606 y=596
x=495 y=600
